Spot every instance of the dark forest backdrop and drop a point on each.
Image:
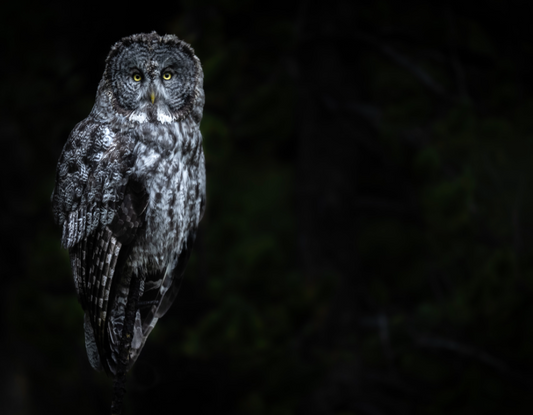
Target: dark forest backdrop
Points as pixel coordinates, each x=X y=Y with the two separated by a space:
x=368 y=241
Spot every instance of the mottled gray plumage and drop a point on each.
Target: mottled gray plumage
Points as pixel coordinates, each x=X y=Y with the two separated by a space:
x=130 y=189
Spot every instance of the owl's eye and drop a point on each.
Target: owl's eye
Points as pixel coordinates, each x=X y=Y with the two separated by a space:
x=137 y=77
x=167 y=76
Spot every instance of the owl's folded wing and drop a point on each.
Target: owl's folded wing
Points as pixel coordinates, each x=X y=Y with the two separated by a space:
x=92 y=174
x=100 y=209
x=97 y=262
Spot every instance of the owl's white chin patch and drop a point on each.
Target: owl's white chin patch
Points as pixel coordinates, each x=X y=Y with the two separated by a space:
x=164 y=117
x=138 y=116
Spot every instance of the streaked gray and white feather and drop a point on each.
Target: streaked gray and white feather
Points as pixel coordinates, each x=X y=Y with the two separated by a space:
x=130 y=189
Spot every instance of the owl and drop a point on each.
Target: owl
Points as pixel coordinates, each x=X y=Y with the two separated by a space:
x=130 y=192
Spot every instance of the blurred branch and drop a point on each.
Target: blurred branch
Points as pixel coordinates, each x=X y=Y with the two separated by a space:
x=465 y=350
x=457 y=66
x=368 y=112
x=407 y=64
x=384 y=205
x=516 y=215
x=381 y=323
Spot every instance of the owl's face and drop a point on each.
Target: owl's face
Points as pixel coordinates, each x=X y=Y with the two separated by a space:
x=152 y=78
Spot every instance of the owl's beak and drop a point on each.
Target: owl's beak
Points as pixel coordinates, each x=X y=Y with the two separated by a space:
x=152 y=96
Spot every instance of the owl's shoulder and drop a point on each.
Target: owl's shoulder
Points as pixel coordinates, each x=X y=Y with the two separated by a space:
x=95 y=156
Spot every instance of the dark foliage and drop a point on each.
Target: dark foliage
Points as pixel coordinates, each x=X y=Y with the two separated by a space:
x=366 y=245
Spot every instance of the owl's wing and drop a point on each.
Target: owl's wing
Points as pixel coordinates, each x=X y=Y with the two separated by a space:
x=100 y=208
x=105 y=288
x=91 y=177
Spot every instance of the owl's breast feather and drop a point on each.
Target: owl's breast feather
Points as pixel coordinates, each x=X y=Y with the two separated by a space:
x=171 y=178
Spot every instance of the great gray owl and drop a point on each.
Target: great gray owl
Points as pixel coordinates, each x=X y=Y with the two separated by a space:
x=130 y=192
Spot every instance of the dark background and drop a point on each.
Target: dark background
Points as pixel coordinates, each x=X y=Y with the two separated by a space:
x=367 y=246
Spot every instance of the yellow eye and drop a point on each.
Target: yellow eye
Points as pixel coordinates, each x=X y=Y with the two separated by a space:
x=167 y=76
x=137 y=77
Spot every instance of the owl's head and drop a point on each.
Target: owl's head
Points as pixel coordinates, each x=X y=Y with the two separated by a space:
x=153 y=78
